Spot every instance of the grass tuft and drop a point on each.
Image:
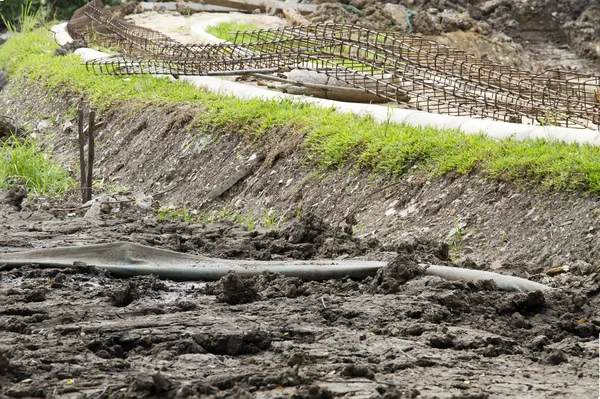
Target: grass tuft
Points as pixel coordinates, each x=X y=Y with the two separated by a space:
x=21 y=162
x=227 y=30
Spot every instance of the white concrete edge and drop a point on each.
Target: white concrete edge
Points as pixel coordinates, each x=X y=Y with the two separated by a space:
x=379 y=113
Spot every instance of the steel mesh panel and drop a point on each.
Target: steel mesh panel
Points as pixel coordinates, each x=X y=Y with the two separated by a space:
x=416 y=72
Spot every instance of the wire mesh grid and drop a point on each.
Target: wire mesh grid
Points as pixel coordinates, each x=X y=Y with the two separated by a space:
x=419 y=73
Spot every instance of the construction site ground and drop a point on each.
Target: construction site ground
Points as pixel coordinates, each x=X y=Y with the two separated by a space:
x=81 y=333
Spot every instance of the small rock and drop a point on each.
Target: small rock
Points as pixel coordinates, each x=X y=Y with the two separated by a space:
x=43 y=125
x=555 y=358
x=467 y=263
x=539 y=342
x=99 y=205
x=38 y=295
x=236 y=289
x=495 y=265
x=143 y=201
x=581 y=267
x=490 y=6
x=359 y=371
x=295 y=359
x=412 y=208
x=398 y=14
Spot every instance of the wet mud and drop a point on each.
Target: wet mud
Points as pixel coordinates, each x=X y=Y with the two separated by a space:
x=81 y=333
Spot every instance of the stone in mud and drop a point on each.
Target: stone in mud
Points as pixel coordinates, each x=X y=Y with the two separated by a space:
x=555 y=358
x=123 y=295
x=538 y=342
x=357 y=371
x=395 y=274
x=582 y=268
x=275 y=285
x=14 y=197
x=530 y=302
x=296 y=358
x=441 y=341
x=59 y=280
x=308 y=228
x=236 y=289
x=37 y=295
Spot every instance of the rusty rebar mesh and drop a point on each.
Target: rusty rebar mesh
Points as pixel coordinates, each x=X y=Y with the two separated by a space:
x=432 y=77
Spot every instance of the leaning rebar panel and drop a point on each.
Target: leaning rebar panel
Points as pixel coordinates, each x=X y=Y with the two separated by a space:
x=481 y=84
x=482 y=73
x=421 y=73
x=362 y=55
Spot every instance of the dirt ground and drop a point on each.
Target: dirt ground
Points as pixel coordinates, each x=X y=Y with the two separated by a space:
x=527 y=34
x=82 y=333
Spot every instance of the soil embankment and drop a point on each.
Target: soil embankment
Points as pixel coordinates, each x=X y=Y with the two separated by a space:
x=81 y=332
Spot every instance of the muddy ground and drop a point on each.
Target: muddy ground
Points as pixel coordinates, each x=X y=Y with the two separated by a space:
x=82 y=333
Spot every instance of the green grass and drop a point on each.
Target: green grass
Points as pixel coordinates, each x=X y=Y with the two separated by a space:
x=226 y=30
x=332 y=140
x=21 y=162
x=228 y=213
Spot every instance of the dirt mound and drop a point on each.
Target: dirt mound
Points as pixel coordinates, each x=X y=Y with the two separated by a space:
x=540 y=23
x=401 y=270
x=234 y=289
x=424 y=18
x=548 y=29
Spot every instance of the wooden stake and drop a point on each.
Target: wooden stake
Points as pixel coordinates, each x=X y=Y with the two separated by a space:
x=90 y=165
x=82 y=157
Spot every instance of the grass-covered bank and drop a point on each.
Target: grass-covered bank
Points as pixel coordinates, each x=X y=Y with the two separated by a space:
x=331 y=139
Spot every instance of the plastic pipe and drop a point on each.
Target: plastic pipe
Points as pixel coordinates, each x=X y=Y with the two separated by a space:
x=126 y=259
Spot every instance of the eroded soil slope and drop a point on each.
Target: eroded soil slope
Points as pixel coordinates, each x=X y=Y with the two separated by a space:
x=81 y=332
x=167 y=154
